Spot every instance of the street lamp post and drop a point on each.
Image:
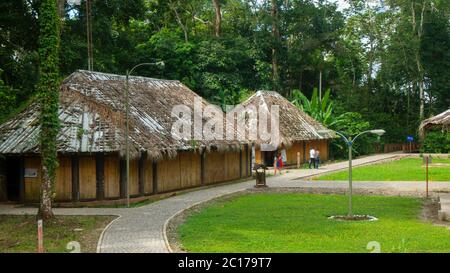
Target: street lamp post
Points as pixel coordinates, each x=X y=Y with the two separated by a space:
x=350 y=141
x=127 y=117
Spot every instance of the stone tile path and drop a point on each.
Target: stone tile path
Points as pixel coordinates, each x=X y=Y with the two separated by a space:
x=444 y=212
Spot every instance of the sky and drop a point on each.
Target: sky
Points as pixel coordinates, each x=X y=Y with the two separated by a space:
x=342 y=4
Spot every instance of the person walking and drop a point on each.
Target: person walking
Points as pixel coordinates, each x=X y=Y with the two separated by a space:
x=277 y=163
x=280 y=162
x=317 y=158
x=312 y=158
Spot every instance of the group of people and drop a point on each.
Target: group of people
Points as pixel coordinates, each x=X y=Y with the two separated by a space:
x=314 y=158
x=278 y=163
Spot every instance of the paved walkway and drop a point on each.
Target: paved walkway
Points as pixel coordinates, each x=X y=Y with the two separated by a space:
x=141 y=229
x=444 y=212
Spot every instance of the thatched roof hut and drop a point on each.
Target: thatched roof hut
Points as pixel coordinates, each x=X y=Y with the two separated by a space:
x=92 y=117
x=441 y=121
x=294 y=124
x=298 y=132
x=91 y=143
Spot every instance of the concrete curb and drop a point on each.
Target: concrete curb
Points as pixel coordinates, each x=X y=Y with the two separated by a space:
x=396 y=157
x=100 y=240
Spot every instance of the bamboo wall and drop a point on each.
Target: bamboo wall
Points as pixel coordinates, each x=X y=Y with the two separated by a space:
x=112 y=177
x=32 y=185
x=134 y=177
x=148 y=176
x=220 y=167
x=183 y=171
x=88 y=182
x=64 y=179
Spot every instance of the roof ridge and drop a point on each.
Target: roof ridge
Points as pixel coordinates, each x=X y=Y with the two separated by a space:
x=123 y=76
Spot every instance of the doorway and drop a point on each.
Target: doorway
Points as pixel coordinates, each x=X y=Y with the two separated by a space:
x=268 y=158
x=13 y=176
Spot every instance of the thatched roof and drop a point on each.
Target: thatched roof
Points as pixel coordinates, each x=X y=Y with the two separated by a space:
x=440 y=121
x=294 y=124
x=92 y=116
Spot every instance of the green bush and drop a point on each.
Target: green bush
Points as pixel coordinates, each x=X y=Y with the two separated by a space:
x=436 y=142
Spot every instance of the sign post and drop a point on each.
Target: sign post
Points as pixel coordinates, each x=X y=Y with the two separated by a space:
x=410 y=140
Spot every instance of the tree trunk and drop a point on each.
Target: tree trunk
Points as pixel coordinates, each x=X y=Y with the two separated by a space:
x=418 y=32
x=45 y=207
x=218 y=22
x=179 y=21
x=275 y=36
x=61 y=12
x=48 y=90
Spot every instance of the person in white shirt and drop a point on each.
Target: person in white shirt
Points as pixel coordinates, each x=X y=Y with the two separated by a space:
x=317 y=157
x=312 y=157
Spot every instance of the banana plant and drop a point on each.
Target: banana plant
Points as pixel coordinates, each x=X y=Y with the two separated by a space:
x=319 y=109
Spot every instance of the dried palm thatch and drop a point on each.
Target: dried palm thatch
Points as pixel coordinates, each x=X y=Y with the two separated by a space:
x=92 y=116
x=440 y=121
x=294 y=125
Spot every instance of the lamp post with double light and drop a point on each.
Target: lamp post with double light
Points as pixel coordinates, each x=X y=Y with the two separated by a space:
x=350 y=141
x=127 y=119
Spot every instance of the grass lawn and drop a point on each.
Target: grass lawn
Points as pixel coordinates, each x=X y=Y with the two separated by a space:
x=19 y=233
x=407 y=169
x=298 y=223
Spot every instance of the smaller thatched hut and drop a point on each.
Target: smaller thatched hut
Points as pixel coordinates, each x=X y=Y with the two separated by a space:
x=298 y=132
x=91 y=143
x=441 y=121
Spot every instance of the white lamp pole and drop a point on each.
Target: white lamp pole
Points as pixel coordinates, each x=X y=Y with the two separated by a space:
x=127 y=117
x=349 y=141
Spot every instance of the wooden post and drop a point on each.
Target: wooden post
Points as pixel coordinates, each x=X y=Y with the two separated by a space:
x=40 y=234
x=75 y=178
x=155 y=177
x=248 y=157
x=240 y=163
x=202 y=167
x=100 y=175
x=142 y=161
x=427 y=174
x=304 y=151
x=298 y=160
x=123 y=178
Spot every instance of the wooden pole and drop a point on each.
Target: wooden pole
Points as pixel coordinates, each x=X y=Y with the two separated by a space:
x=40 y=237
x=298 y=160
x=100 y=175
x=142 y=165
x=427 y=174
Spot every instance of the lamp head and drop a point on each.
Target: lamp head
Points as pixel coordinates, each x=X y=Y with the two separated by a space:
x=74 y=2
x=378 y=132
x=323 y=132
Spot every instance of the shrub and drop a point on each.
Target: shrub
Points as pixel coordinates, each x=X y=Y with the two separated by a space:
x=436 y=142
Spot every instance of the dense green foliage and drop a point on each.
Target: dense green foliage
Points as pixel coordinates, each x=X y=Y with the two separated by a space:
x=408 y=169
x=375 y=59
x=436 y=141
x=298 y=223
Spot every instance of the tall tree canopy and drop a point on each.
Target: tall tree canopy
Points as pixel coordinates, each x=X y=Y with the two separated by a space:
x=388 y=60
